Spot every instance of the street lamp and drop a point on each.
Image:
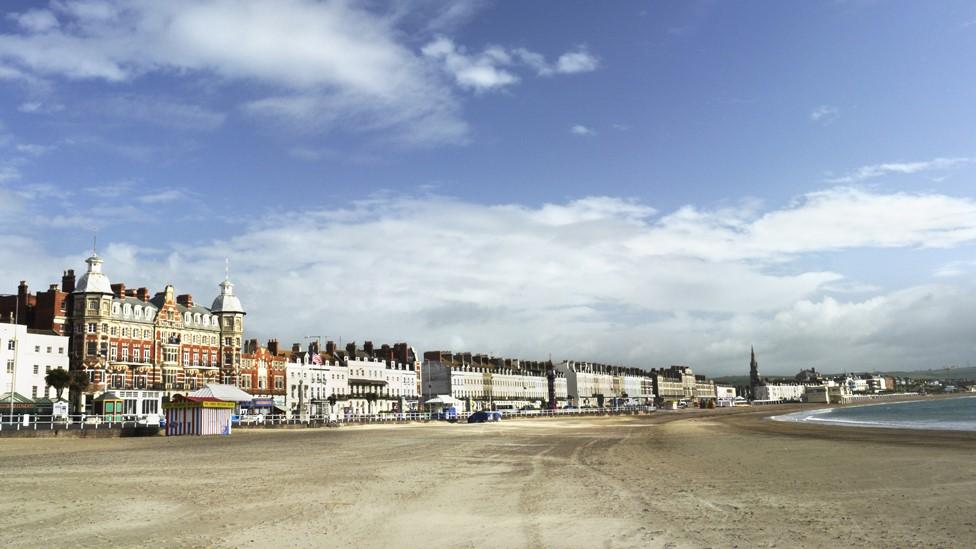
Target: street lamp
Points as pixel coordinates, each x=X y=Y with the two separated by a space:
x=13 y=377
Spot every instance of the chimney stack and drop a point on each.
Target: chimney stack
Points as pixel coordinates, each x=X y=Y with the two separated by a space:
x=330 y=347
x=296 y=347
x=141 y=293
x=273 y=347
x=119 y=290
x=368 y=348
x=68 y=280
x=185 y=300
x=351 y=349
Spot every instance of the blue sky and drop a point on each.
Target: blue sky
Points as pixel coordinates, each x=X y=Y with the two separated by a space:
x=642 y=183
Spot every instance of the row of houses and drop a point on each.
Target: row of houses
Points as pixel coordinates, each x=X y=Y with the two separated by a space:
x=149 y=347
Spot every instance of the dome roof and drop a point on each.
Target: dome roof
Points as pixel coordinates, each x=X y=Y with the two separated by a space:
x=94 y=281
x=227 y=302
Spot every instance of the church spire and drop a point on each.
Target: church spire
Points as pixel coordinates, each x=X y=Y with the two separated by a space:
x=754 y=378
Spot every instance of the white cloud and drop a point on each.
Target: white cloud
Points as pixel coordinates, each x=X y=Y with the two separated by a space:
x=582 y=130
x=575 y=62
x=825 y=114
x=598 y=278
x=493 y=68
x=878 y=170
x=341 y=58
x=35 y=20
x=163 y=196
x=479 y=72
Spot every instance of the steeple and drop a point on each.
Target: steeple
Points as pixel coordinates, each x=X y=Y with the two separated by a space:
x=754 y=378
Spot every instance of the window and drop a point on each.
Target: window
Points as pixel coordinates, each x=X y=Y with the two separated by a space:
x=11 y=345
x=115 y=353
x=91 y=348
x=37 y=349
x=48 y=350
x=125 y=332
x=135 y=354
x=115 y=308
x=186 y=357
x=36 y=368
x=47 y=369
x=279 y=382
x=104 y=328
x=92 y=304
x=125 y=354
x=227 y=341
x=34 y=391
x=115 y=331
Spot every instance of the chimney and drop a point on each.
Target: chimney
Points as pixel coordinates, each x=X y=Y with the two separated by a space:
x=313 y=347
x=273 y=347
x=351 y=349
x=53 y=288
x=402 y=351
x=252 y=346
x=118 y=290
x=143 y=294
x=129 y=292
x=296 y=347
x=330 y=347
x=386 y=353
x=368 y=347
x=185 y=300
x=68 y=280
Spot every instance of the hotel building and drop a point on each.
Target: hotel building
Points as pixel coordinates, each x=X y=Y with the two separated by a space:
x=485 y=382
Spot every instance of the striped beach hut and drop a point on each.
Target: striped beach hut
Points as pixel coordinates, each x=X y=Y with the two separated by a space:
x=191 y=415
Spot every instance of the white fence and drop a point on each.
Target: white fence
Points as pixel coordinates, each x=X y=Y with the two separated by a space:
x=260 y=421
x=87 y=422
x=75 y=422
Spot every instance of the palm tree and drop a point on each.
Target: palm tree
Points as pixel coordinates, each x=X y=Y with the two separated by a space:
x=58 y=378
x=79 y=382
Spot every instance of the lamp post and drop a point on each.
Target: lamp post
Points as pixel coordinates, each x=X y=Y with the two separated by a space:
x=16 y=349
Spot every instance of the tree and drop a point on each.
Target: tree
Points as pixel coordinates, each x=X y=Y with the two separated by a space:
x=58 y=378
x=79 y=382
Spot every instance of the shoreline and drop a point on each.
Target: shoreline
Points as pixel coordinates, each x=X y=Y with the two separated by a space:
x=810 y=418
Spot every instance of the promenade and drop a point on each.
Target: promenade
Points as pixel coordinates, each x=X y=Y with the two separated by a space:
x=715 y=478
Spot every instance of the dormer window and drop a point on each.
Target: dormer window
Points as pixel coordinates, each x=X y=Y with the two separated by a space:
x=127 y=310
x=138 y=312
x=115 y=308
x=149 y=314
x=188 y=318
x=196 y=318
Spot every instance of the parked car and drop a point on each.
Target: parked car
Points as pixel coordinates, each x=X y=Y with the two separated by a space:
x=484 y=416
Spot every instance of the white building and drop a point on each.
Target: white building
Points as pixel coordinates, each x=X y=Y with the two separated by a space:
x=26 y=356
x=375 y=386
x=779 y=391
x=725 y=395
x=309 y=386
x=592 y=385
x=484 y=382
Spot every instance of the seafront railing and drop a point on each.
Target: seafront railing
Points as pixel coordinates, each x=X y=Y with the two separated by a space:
x=404 y=417
x=33 y=422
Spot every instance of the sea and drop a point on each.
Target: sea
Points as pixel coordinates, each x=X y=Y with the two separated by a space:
x=949 y=414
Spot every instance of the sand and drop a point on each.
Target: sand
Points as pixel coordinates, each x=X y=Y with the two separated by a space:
x=723 y=478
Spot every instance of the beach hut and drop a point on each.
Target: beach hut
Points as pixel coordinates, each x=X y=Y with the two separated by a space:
x=108 y=405
x=198 y=415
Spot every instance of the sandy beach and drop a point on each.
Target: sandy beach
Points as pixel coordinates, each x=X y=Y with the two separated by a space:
x=721 y=478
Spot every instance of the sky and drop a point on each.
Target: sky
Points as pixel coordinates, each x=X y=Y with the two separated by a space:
x=636 y=183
